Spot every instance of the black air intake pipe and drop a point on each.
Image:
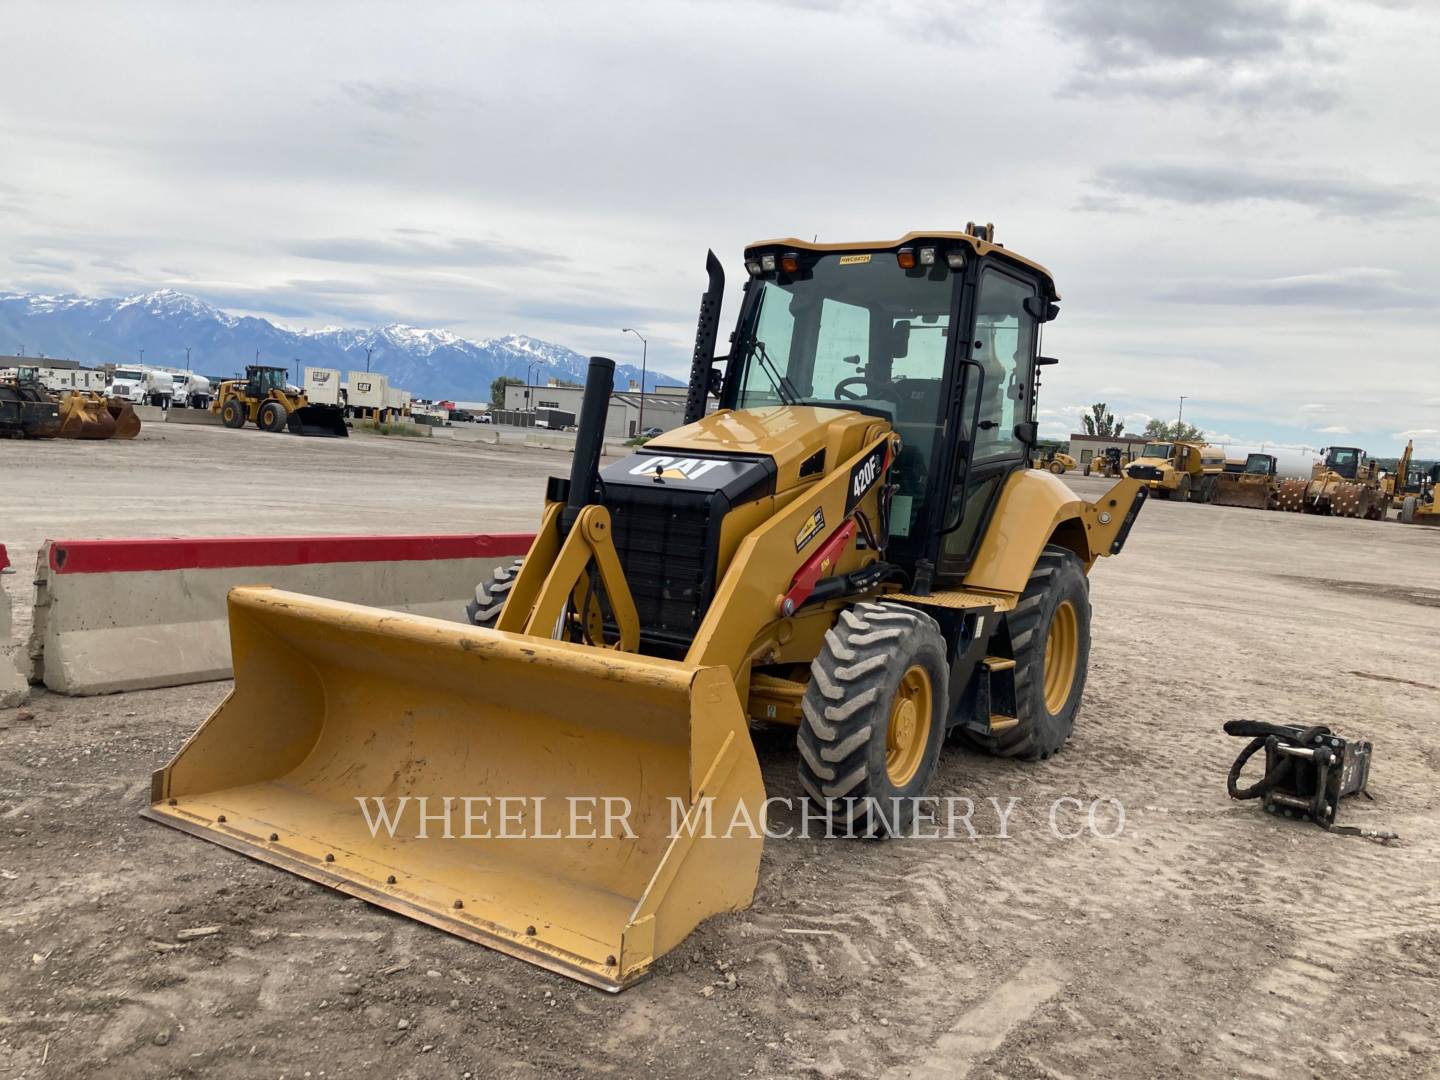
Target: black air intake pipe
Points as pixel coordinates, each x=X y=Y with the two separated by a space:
x=706 y=330
x=589 y=439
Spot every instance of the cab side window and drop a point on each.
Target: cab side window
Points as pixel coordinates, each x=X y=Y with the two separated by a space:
x=1005 y=346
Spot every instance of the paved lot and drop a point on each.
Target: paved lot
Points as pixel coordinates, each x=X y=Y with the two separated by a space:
x=1203 y=940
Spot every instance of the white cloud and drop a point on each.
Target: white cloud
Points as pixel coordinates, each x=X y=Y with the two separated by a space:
x=560 y=170
x=1334 y=429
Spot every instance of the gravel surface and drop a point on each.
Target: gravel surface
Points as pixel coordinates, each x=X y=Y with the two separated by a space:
x=1205 y=939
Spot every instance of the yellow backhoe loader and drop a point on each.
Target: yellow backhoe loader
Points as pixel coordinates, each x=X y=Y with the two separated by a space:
x=851 y=543
x=266 y=400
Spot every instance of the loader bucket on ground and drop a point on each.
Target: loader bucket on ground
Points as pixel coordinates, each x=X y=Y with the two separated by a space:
x=84 y=417
x=336 y=703
x=319 y=420
x=1236 y=493
x=127 y=421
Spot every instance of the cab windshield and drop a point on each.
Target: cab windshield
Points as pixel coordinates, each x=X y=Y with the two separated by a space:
x=1343 y=457
x=126 y=373
x=855 y=331
x=1159 y=450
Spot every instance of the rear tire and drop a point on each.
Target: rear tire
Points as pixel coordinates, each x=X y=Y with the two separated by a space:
x=1205 y=492
x=1182 y=489
x=1407 y=510
x=1057 y=468
x=1050 y=642
x=271 y=417
x=873 y=717
x=232 y=414
x=490 y=595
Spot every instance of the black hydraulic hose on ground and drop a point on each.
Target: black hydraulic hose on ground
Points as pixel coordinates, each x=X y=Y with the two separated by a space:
x=1261 y=734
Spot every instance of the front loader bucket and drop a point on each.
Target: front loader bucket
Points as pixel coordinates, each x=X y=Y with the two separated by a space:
x=320 y=420
x=84 y=417
x=127 y=421
x=1237 y=493
x=347 y=724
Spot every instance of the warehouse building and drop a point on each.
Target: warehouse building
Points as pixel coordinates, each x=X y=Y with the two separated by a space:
x=1086 y=448
x=664 y=407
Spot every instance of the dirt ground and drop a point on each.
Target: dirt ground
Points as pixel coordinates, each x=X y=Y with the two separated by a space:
x=1205 y=939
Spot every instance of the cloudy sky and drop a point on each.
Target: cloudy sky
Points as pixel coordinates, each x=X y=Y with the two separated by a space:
x=1239 y=200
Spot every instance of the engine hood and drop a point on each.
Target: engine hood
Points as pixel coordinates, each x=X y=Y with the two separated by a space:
x=793 y=444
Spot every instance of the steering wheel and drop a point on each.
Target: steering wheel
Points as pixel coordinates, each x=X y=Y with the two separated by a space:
x=842 y=388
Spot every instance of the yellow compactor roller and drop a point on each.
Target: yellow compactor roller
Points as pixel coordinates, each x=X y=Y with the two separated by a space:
x=851 y=544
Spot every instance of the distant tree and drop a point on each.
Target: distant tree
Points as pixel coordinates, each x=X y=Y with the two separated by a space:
x=568 y=382
x=497 y=389
x=1179 y=431
x=1101 y=421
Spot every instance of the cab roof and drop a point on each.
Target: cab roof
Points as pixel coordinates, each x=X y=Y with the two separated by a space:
x=977 y=244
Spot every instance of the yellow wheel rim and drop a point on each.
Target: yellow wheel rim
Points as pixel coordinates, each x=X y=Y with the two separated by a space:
x=1062 y=657
x=908 y=733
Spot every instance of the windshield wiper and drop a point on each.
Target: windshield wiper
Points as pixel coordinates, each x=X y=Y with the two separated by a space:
x=784 y=389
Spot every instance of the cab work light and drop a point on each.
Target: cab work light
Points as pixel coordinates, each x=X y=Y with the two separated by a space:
x=955 y=258
x=927 y=256
x=753 y=267
x=767 y=263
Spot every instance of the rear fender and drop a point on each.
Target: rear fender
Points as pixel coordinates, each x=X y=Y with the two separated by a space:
x=1037 y=508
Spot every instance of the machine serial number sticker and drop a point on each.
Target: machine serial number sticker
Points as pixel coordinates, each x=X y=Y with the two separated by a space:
x=813 y=527
x=854 y=260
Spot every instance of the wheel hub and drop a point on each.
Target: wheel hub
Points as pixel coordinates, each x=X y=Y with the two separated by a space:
x=909 y=729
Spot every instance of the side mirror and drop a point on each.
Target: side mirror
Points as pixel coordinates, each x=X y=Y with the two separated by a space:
x=716 y=382
x=1027 y=432
x=1046 y=361
x=1041 y=309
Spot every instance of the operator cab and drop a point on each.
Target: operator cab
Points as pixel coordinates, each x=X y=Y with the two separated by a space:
x=873 y=330
x=1260 y=465
x=1344 y=460
x=259 y=381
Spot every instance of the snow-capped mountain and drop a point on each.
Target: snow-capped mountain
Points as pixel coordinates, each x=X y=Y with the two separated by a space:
x=428 y=363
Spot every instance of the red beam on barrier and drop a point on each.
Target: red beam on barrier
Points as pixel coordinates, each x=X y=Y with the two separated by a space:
x=4 y=558
x=216 y=552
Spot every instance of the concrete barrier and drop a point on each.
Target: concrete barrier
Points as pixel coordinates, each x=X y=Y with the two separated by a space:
x=115 y=615
x=150 y=414
x=13 y=684
x=202 y=417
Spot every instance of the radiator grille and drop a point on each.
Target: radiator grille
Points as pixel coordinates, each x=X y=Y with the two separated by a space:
x=667 y=552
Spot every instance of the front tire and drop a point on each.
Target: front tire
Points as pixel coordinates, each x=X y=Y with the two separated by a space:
x=873 y=718
x=1050 y=641
x=1407 y=510
x=490 y=596
x=232 y=414
x=271 y=417
x=1057 y=468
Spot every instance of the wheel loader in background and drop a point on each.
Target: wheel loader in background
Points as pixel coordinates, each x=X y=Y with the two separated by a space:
x=1345 y=484
x=851 y=544
x=1186 y=471
x=1423 y=506
x=1056 y=461
x=266 y=400
x=1249 y=483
